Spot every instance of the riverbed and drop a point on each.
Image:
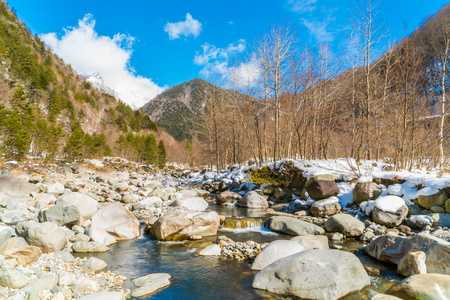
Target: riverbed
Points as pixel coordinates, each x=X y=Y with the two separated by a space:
x=199 y=277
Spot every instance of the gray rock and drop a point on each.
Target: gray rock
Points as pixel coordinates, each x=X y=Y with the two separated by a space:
x=87 y=206
x=392 y=249
x=151 y=287
x=412 y=263
x=389 y=219
x=141 y=281
x=47 y=236
x=81 y=237
x=253 y=200
x=15 y=204
x=274 y=251
x=345 y=224
x=66 y=278
x=441 y=219
x=9 y=183
x=56 y=188
x=85 y=285
x=433 y=200
x=422 y=286
x=64 y=255
x=45 y=282
x=364 y=191
x=129 y=198
x=227 y=198
x=97 y=234
x=314 y=274
x=293 y=226
x=13 y=243
x=182 y=225
x=95 y=264
x=45 y=198
x=13 y=279
x=118 y=221
x=194 y=203
x=89 y=247
x=321 y=187
x=310 y=242
x=62 y=215
x=325 y=207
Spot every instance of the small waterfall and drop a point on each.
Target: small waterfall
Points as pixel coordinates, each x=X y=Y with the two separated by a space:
x=243 y=223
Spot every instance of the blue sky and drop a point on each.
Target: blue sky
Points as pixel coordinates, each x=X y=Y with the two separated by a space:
x=157 y=42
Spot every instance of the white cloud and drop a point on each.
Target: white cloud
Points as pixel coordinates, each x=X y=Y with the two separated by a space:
x=186 y=28
x=88 y=52
x=319 y=29
x=302 y=6
x=216 y=62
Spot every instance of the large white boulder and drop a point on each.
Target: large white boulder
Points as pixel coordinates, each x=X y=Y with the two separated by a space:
x=314 y=274
x=274 y=251
x=87 y=206
x=117 y=220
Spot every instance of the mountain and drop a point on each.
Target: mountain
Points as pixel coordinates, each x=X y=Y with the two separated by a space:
x=97 y=81
x=179 y=109
x=48 y=110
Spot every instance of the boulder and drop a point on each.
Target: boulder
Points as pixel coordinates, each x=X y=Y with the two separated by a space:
x=25 y=255
x=441 y=219
x=85 y=285
x=95 y=264
x=128 y=198
x=150 y=287
x=45 y=198
x=345 y=224
x=45 y=282
x=211 y=250
x=293 y=226
x=13 y=279
x=282 y=193
x=141 y=281
x=447 y=206
x=314 y=274
x=66 y=278
x=227 y=198
x=389 y=211
x=326 y=207
x=364 y=191
x=62 y=215
x=420 y=221
x=321 y=187
x=194 y=203
x=412 y=263
x=429 y=201
x=422 y=286
x=48 y=236
x=56 y=188
x=9 y=183
x=392 y=249
x=253 y=200
x=181 y=225
x=97 y=234
x=274 y=251
x=89 y=247
x=12 y=243
x=87 y=206
x=310 y=242
x=117 y=220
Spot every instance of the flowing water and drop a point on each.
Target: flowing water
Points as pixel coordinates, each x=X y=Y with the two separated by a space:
x=197 y=277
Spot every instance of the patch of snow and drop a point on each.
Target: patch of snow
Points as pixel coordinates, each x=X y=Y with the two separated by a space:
x=346 y=193
x=389 y=203
x=395 y=189
x=367 y=206
x=421 y=219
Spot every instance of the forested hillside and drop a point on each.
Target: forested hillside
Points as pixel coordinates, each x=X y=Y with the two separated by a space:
x=181 y=109
x=313 y=103
x=48 y=110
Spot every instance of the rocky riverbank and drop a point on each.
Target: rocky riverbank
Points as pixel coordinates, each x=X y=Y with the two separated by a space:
x=53 y=216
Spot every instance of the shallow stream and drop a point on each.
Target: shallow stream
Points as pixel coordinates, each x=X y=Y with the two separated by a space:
x=198 y=277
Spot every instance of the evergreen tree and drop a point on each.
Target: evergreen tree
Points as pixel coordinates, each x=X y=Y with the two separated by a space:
x=74 y=145
x=161 y=155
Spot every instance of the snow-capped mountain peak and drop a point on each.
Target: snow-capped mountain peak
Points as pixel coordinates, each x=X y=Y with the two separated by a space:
x=97 y=81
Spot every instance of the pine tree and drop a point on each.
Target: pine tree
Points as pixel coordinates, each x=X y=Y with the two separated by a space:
x=161 y=155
